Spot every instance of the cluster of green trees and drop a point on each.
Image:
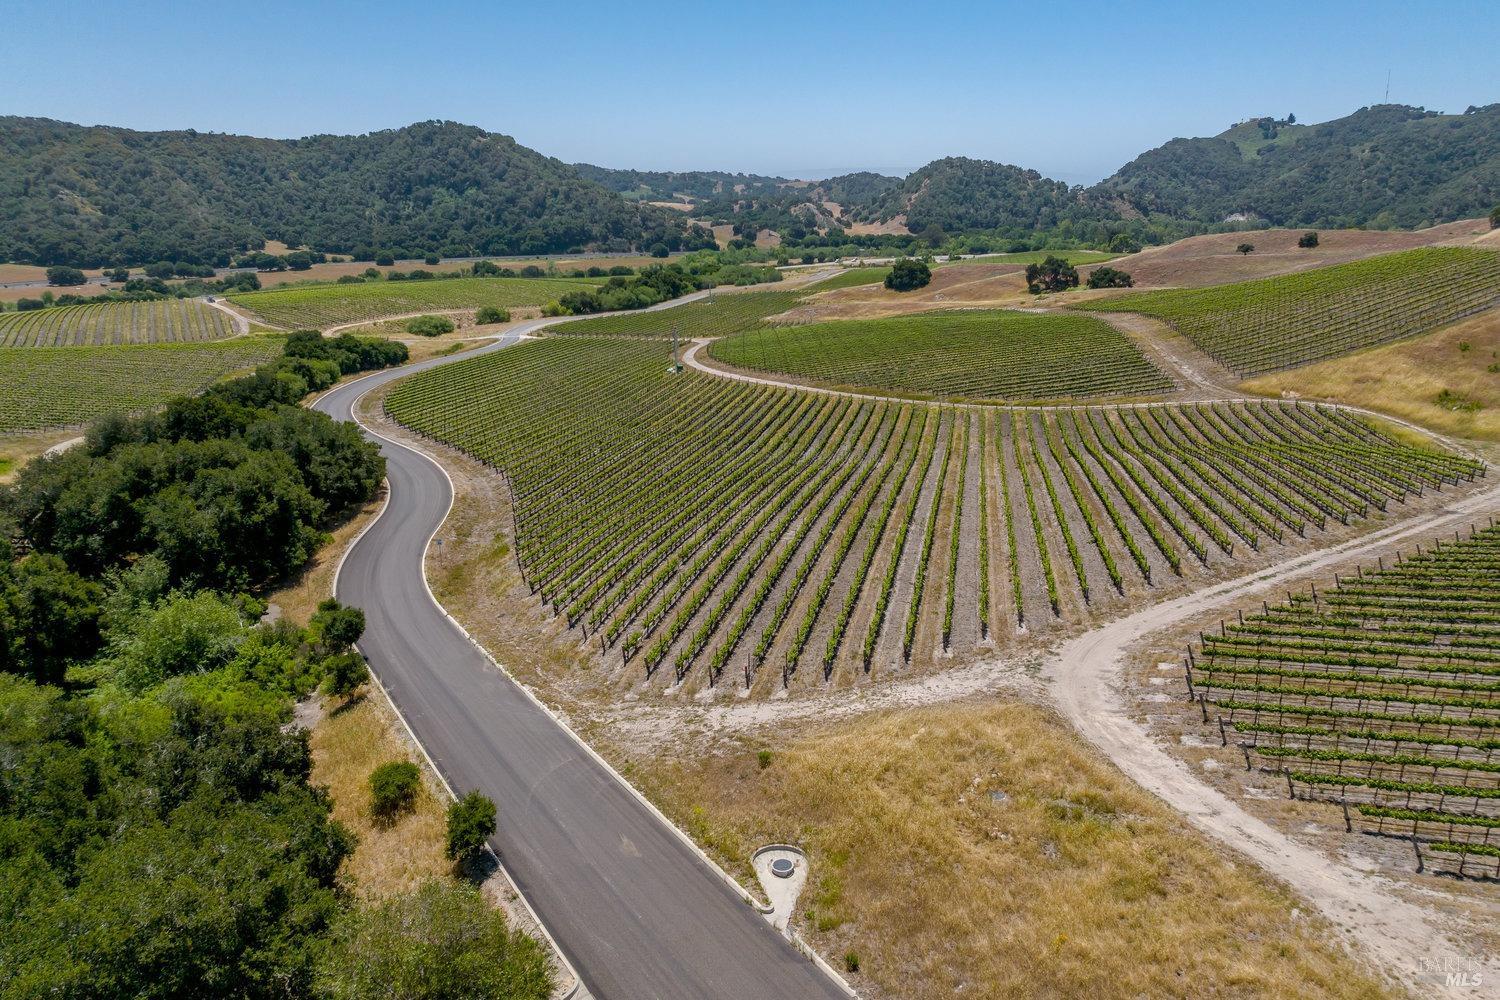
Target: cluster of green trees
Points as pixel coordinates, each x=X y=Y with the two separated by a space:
x=654 y=284
x=908 y=274
x=296 y=260
x=158 y=835
x=144 y=290
x=230 y=490
x=1383 y=166
x=959 y=194
x=487 y=269
x=668 y=185
x=1054 y=274
x=65 y=276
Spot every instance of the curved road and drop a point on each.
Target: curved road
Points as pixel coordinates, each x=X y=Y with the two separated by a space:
x=635 y=909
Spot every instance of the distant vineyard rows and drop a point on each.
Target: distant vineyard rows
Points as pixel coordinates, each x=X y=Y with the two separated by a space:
x=1255 y=327
x=165 y=321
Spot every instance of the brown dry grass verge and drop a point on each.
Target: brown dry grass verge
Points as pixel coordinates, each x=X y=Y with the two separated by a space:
x=348 y=743
x=1070 y=882
x=1407 y=379
x=350 y=740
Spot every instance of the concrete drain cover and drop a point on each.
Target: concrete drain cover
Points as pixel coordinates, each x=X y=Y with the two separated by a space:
x=783 y=867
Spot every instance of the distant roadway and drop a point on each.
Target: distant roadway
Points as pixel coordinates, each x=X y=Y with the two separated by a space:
x=635 y=909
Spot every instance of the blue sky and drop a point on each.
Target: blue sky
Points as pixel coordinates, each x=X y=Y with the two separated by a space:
x=800 y=89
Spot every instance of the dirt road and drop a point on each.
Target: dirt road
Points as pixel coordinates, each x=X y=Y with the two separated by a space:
x=1086 y=678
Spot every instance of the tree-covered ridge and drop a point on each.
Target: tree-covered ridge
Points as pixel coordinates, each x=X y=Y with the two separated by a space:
x=102 y=195
x=667 y=185
x=1383 y=166
x=959 y=194
x=859 y=188
x=94 y=196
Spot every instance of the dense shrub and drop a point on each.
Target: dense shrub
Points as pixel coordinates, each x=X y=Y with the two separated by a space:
x=429 y=326
x=1109 y=277
x=393 y=788
x=471 y=822
x=1308 y=240
x=487 y=315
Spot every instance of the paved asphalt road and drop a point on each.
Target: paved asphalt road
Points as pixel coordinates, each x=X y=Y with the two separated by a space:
x=635 y=910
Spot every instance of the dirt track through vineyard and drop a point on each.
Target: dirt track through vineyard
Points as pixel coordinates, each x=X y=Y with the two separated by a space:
x=1086 y=685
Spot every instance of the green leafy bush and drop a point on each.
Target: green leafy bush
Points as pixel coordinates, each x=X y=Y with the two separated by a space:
x=429 y=326
x=471 y=822
x=393 y=788
x=1109 y=277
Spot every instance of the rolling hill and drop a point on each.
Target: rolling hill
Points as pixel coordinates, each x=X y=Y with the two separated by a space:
x=1381 y=167
x=101 y=195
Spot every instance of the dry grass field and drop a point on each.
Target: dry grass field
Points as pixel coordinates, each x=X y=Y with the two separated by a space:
x=348 y=743
x=974 y=285
x=1448 y=380
x=1213 y=260
x=980 y=850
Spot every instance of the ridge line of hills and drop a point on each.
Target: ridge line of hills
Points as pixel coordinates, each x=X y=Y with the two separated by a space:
x=98 y=195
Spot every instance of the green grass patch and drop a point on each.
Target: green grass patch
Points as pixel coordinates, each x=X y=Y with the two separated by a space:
x=851 y=278
x=991 y=354
x=317 y=307
x=717 y=316
x=1457 y=402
